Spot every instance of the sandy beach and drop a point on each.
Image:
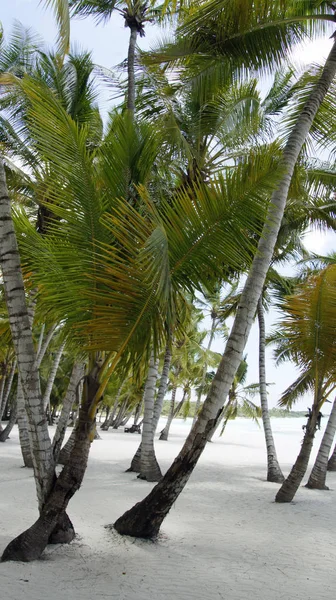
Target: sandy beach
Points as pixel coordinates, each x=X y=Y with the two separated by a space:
x=224 y=539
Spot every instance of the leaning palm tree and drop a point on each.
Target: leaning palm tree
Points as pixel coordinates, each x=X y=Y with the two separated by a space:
x=114 y=276
x=318 y=475
x=145 y=518
x=307 y=336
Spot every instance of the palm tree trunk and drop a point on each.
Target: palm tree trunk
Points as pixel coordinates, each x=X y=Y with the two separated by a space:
x=131 y=70
x=24 y=346
x=22 y=422
x=162 y=387
x=109 y=420
x=332 y=461
x=144 y=460
x=7 y=389
x=30 y=544
x=5 y=433
x=317 y=479
x=2 y=389
x=149 y=467
x=145 y=518
x=135 y=464
x=274 y=472
x=44 y=346
x=290 y=486
x=137 y=413
x=121 y=413
x=165 y=431
x=51 y=377
x=205 y=369
x=70 y=397
x=65 y=452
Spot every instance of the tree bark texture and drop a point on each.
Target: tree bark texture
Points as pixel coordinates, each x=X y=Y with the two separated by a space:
x=165 y=431
x=7 y=389
x=30 y=544
x=131 y=70
x=205 y=370
x=5 y=433
x=290 y=486
x=24 y=346
x=22 y=421
x=162 y=387
x=149 y=467
x=145 y=518
x=52 y=376
x=274 y=472
x=76 y=375
x=332 y=461
x=317 y=479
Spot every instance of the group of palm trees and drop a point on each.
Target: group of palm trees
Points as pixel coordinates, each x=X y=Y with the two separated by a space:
x=110 y=233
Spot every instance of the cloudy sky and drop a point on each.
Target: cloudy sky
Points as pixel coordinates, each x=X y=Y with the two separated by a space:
x=109 y=47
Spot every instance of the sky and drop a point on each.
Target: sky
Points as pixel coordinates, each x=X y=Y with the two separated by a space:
x=108 y=44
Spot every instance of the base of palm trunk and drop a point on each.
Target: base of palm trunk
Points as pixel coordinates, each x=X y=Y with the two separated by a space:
x=30 y=544
x=136 y=462
x=163 y=435
x=63 y=532
x=139 y=522
x=274 y=476
x=316 y=486
x=64 y=454
x=153 y=474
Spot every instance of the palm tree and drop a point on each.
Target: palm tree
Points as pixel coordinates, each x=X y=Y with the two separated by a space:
x=89 y=256
x=136 y=13
x=317 y=478
x=239 y=398
x=149 y=467
x=308 y=337
x=145 y=518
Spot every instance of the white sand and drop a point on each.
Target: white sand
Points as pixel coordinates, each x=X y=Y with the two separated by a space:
x=224 y=538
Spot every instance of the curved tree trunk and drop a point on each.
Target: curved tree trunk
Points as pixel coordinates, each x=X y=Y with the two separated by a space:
x=162 y=388
x=137 y=413
x=30 y=544
x=274 y=472
x=131 y=69
x=51 y=379
x=65 y=452
x=205 y=369
x=290 y=486
x=317 y=479
x=121 y=413
x=165 y=431
x=22 y=422
x=145 y=518
x=2 y=390
x=109 y=420
x=5 y=433
x=332 y=461
x=7 y=389
x=70 y=397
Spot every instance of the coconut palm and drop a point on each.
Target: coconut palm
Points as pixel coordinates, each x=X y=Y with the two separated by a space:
x=317 y=478
x=146 y=517
x=308 y=338
x=142 y=248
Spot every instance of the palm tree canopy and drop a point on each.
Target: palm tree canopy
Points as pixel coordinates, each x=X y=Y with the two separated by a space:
x=308 y=334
